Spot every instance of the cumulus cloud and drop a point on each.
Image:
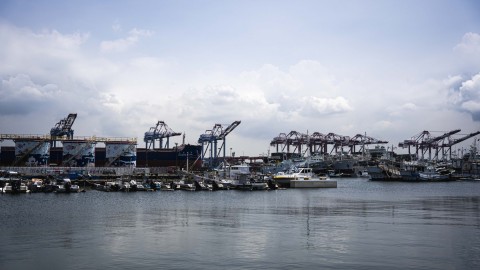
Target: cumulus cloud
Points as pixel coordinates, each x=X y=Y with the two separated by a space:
x=122 y=44
x=466 y=97
x=468 y=52
x=470 y=44
x=20 y=95
x=46 y=75
x=38 y=53
x=315 y=106
x=222 y=103
x=268 y=98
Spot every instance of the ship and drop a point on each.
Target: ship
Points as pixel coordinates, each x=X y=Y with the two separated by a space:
x=177 y=156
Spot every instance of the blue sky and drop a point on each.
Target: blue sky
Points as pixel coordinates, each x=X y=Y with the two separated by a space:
x=388 y=68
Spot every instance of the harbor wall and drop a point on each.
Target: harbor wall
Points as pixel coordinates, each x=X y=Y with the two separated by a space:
x=75 y=173
x=313 y=183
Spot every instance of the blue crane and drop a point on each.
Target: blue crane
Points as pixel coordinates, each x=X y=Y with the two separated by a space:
x=159 y=132
x=63 y=128
x=209 y=141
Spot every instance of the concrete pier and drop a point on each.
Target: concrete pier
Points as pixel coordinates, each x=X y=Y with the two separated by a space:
x=313 y=183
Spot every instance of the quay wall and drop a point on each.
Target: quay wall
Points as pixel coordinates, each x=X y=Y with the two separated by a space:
x=85 y=171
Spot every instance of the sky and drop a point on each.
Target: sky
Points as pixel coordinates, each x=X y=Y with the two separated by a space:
x=388 y=69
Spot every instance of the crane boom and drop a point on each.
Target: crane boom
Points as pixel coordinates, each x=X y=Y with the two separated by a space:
x=64 y=126
x=229 y=129
x=436 y=139
x=159 y=132
x=459 y=140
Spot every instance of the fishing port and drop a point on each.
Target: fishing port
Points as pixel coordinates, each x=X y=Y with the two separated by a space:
x=63 y=162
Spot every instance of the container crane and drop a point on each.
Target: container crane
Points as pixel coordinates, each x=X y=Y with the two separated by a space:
x=281 y=139
x=317 y=143
x=362 y=140
x=210 y=138
x=425 y=141
x=63 y=128
x=297 y=139
x=450 y=143
x=337 y=141
x=207 y=140
x=159 y=132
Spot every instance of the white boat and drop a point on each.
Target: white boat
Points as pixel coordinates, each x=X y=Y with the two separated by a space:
x=301 y=173
x=125 y=186
x=363 y=174
x=236 y=177
x=201 y=185
x=187 y=186
x=302 y=178
x=15 y=188
x=141 y=187
x=7 y=188
x=66 y=186
x=36 y=185
x=231 y=171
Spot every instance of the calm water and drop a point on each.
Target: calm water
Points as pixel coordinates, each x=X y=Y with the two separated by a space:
x=359 y=225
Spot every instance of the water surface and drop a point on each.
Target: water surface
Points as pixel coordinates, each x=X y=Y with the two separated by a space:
x=360 y=225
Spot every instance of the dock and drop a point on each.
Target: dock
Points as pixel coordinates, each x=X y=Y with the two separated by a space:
x=313 y=183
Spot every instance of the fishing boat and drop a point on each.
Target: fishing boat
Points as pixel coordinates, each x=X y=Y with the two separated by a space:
x=432 y=173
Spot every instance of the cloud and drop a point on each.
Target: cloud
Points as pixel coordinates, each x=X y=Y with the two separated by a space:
x=267 y=99
x=38 y=53
x=400 y=110
x=315 y=106
x=466 y=97
x=123 y=44
x=47 y=74
x=469 y=45
x=383 y=125
x=19 y=95
x=223 y=104
x=468 y=52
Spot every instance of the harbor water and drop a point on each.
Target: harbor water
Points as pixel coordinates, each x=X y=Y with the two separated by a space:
x=359 y=225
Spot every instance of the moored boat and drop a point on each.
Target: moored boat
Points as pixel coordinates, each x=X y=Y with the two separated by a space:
x=65 y=186
x=302 y=177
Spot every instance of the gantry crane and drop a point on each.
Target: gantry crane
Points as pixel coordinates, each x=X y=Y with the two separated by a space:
x=280 y=140
x=424 y=142
x=63 y=128
x=447 y=146
x=297 y=140
x=210 y=138
x=338 y=141
x=159 y=132
x=362 y=140
x=318 y=143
